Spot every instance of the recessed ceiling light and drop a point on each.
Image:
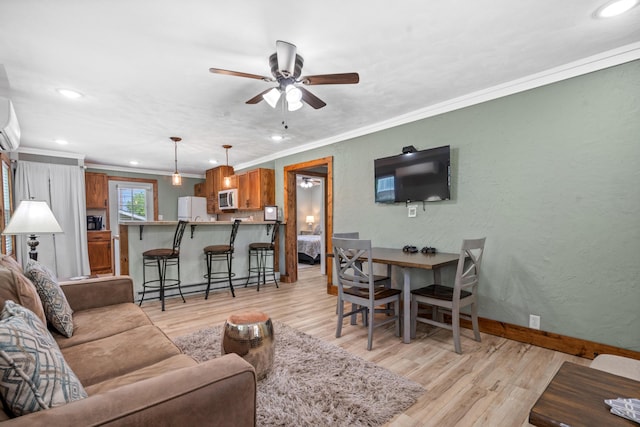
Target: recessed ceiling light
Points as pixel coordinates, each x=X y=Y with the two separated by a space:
x=277 y=137
x=70 y=93
x=615 y=8
x=61 y=141
x=213 y=162
x=133 y=162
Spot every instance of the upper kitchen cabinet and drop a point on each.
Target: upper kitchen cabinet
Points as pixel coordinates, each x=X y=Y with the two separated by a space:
x=214 y=182
x=199 y=190
x=97 y=190
x=256 y=189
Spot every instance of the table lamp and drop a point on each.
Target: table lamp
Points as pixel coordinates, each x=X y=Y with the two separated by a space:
x=310 y=221
x=31 y=217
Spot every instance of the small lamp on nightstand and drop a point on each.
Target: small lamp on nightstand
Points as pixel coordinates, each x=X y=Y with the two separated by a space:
x=310 y=221
x=31 y=217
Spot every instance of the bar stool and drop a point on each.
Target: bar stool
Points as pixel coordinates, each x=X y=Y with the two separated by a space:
x=215 y=253
x=163 y=258
x=261 y=251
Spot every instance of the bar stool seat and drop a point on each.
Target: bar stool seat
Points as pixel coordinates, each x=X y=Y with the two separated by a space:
x=261 y=251
x=163 y=258
x=215 y=253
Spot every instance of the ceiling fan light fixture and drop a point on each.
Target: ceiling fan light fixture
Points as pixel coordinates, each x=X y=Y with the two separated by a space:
x=293 y=94
x=294 y=106
x=272 y=97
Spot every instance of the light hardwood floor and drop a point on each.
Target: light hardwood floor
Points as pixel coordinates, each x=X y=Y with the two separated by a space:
x=493 y=383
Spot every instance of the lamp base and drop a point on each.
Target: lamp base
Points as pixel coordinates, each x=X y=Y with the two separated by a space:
x=33 y=242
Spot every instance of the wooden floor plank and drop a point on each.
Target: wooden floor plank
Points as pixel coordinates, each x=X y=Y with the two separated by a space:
x=493 y=383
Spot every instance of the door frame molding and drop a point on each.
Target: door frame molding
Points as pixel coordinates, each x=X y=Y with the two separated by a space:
x=290 y=206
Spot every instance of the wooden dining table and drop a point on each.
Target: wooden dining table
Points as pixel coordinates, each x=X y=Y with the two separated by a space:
x=395 y=257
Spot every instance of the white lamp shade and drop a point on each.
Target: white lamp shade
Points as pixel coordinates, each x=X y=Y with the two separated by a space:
x=32 y=217
x=272 y=97
x=293 y=94
x=310 y=219
x=294 y=106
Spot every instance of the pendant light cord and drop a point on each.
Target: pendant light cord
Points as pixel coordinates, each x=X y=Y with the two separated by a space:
x=175 y=146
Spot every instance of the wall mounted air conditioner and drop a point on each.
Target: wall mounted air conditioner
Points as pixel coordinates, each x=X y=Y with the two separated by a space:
x=9 y=127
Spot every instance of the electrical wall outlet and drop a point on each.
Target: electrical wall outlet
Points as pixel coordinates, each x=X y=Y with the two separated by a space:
x=534 y=321
x=412 y=210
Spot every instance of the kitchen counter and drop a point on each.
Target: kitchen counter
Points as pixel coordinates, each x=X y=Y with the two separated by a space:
x=136 y=237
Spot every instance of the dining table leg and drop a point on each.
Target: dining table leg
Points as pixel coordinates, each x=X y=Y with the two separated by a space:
x=406 y=308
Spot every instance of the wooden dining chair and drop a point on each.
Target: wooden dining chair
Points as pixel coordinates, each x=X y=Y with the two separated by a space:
x=451 y=299
x=356 y=285
x=381 y=280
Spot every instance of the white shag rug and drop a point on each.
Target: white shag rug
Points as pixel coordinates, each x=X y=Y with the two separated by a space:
x=314 y=383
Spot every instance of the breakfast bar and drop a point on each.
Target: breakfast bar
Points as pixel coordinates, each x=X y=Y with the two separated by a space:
x=136 y=237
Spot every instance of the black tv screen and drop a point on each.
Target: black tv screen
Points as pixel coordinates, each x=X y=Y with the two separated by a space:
x=419 y=176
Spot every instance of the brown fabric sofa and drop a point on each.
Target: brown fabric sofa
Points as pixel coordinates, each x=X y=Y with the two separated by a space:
x=133 y=373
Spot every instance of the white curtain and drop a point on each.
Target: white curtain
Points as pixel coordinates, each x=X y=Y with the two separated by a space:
x=62 y=187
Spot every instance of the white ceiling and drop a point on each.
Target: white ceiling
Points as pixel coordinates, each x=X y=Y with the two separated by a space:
x=143 y=68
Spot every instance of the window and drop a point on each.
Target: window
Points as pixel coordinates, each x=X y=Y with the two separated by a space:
x=132 y=204
x=133 y=201
x=8 y=242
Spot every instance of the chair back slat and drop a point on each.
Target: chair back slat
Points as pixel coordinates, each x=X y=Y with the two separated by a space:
x=353 y=262
x=234 y=232
x=468 y=272
x=274 y=231
x=177 y=236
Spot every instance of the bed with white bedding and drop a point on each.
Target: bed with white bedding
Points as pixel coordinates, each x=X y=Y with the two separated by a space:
x=309 y=248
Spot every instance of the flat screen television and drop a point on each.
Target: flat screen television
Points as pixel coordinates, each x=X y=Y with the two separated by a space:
x=419 y=176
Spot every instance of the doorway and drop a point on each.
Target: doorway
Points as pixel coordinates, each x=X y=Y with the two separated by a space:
x=323 y=166
x=310 y=212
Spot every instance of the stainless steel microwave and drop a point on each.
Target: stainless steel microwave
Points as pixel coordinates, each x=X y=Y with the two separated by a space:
x=228 y=199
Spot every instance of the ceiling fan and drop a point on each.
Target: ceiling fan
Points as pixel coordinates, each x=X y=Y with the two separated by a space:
x=286 y=68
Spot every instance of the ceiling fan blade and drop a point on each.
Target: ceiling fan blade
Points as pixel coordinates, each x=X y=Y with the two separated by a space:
x=258 y=97
x=240 y=74
x=286 y=53
x=311 y=99
x=331 y=79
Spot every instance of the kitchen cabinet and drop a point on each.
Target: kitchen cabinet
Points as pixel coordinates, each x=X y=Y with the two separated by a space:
x=99 y=245
x=97 y=190
x=214 y=182
x=256 y=189
x=199 y=190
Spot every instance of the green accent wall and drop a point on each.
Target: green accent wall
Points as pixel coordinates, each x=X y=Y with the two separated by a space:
x=551 y=176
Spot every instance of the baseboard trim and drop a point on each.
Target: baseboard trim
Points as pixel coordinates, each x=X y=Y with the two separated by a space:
x=549 y=340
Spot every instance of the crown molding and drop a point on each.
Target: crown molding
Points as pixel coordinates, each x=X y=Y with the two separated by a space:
x=142 y=171
x=50 y=153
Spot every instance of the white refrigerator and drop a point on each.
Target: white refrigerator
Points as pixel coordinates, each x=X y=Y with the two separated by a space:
x=192 y=209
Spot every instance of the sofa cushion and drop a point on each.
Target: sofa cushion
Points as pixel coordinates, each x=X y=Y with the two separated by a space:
x=102 y=322
x=110 y=357
x=35 y=375
x=164 y=366
x=16 y=287
x=56 y=307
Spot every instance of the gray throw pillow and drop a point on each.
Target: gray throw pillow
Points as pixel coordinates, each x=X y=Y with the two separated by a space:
x=56 y=307
x=35 y=375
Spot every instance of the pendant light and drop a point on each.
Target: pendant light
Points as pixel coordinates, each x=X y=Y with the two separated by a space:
x=227 y=179
x=176 y=179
